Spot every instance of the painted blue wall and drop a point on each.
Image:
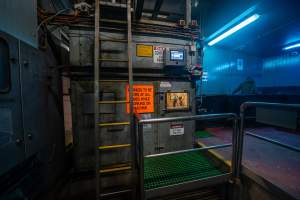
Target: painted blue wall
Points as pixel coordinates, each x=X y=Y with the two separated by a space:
x=281 y=71
x=226 y=69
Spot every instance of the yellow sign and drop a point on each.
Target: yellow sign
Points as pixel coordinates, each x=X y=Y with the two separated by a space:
x=143 y=98
x=144 y=50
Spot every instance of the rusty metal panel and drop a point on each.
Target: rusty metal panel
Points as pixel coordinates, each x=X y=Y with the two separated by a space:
x=19 y=19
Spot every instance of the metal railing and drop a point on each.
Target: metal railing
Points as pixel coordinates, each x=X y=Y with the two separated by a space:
x=206 y=181
x=242 y=132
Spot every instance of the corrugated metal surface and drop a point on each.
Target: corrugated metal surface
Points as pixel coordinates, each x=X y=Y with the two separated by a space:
x=19 y=18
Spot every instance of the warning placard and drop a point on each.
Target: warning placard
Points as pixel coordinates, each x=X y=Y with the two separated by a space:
x=144 y=50
x=143 y=98
x=176 y=129
x=158 y=54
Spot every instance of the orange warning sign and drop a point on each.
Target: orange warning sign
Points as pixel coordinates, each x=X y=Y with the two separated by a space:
x=143 y=98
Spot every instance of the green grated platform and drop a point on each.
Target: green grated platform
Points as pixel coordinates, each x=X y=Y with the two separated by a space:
x=177 y=168
x=203 y=134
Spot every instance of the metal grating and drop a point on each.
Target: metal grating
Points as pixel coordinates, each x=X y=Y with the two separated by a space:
x=177 y=168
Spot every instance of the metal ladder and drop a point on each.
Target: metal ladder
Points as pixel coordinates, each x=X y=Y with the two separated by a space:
x=100 y=125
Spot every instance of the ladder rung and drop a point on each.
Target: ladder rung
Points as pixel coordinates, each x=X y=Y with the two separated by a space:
x=112 y=60
x=113 y=40
x=115 y=193
x=113 y=124
x=116 y=146
x=105 y=81
x=115 y=168
x=113 y=102
x=113 y=81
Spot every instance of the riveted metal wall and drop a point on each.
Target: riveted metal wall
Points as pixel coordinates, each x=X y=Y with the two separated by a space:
x=81 y=49
x=12 y=149
x=156 y=136
x=31 y=114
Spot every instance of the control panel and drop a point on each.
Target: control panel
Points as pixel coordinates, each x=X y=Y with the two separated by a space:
x=175 y=57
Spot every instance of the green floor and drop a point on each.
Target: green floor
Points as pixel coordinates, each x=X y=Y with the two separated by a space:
x=177 y=168
x=203 y=134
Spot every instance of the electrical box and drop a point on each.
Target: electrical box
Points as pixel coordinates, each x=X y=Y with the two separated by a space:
x=175 y=57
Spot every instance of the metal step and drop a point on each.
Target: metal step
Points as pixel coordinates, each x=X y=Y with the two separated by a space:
x=105 y=124
x=111 y=60
x=201 y=194
x=109 y=81
x=115 y=168
x=116 y=194
x=114 y=40
x=113 y=102
x=115 y=146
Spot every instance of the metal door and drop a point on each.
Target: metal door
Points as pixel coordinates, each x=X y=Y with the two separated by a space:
x=11 y=126
x=167 y=140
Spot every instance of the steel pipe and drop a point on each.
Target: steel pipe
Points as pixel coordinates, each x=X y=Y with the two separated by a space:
x=189 y=118
x=191 y=150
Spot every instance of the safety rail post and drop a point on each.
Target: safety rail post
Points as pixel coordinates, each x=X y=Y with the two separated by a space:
x=140 y=143
x=243 y=108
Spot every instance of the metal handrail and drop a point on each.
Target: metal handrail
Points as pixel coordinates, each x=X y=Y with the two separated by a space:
x=240 y=139
x=191 y=150
x=291 y=147
x=140 y=142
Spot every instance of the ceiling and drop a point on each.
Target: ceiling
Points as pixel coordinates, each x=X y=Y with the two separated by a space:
x=279 y=21
x=279 y=24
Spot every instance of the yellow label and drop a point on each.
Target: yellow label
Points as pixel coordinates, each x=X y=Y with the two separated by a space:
x=144 y=50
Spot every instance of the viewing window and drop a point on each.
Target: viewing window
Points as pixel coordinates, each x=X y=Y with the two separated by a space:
x=4 y=67
x=176 y=101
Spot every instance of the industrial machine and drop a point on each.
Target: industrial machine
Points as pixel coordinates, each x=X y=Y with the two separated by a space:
x=132 y=109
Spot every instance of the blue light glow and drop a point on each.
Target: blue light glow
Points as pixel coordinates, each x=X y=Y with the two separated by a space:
x=225 y=66
x=236 y=20
x=205 y=76
x=281 y=61
x=234 y=29
x=291 y=46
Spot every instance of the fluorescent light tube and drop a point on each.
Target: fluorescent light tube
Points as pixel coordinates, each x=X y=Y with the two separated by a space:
x=292 y=46
x=234 y=29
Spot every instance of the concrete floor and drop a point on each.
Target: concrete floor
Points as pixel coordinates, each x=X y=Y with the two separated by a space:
x=276 y=164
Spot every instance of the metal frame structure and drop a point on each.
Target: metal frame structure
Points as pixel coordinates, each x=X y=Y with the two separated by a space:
x=96 y=93
x=191 y=184
x=99 y=125
x=240 y=139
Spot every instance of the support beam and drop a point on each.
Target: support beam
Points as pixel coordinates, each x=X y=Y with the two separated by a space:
x=139 y=9
x=157 y=7
x=96 y=93
x=188 y=10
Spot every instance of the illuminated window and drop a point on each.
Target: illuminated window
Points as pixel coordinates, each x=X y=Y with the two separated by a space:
x=4 y=67
x=177 y=101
